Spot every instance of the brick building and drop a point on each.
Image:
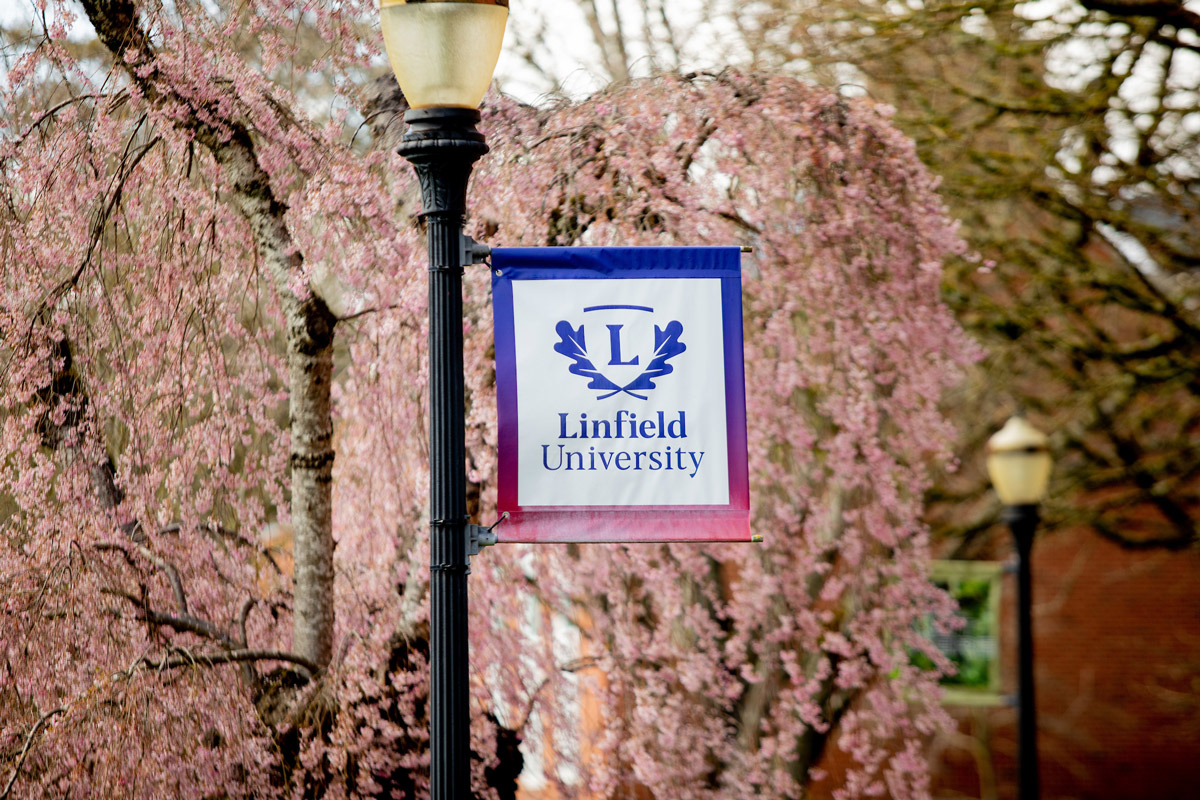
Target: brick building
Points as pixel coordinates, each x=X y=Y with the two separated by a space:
x=1117 y=664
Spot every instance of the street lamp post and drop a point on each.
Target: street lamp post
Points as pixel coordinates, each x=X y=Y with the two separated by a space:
x=1019 y=465
x=444 y=53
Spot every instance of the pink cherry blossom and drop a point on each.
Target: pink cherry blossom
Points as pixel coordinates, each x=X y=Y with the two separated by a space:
x=147 y=335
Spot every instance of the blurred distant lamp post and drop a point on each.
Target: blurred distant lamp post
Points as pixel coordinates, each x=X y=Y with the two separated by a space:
x=444 y=53
x=1018 y=462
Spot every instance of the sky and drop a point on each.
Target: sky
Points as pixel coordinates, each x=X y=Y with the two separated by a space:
x=559 y=30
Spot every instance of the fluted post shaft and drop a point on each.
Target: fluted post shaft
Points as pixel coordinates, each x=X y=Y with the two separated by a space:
x=443 y=145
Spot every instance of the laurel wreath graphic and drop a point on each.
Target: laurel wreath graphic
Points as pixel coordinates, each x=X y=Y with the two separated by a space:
x=666 y=346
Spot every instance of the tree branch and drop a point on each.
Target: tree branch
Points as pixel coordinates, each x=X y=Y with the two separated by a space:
x=190 y=659
x=1165 y=12
x=164 y=566
x=243 y=616
x=221 y=532
x=184 y=623
x=309 y=322
x=168 y=569
x=25 y=750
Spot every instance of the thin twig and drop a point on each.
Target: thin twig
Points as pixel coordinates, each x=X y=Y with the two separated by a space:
x=25 y=750
x=215 y=529
x=45 y=115
x=365 y=311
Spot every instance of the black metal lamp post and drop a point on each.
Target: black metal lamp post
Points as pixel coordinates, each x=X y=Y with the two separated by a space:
x=443 y=53
x=1019 y=464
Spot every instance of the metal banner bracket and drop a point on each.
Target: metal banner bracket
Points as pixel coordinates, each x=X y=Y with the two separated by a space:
x=471 y=251
x=479 y=537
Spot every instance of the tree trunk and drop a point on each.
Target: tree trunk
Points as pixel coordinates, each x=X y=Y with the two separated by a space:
x=310 y=369
x=310 y=324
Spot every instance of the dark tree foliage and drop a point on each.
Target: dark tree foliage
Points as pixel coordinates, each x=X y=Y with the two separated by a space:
x=1065 y=135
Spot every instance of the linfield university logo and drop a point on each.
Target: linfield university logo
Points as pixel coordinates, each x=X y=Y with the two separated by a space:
x=629 y=370
x=630 y=350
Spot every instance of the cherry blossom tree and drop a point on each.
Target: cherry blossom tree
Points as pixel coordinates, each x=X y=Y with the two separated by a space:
x=213 y=284
x=1065 y=135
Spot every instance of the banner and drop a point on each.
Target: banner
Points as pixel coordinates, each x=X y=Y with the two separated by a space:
x=620 y=393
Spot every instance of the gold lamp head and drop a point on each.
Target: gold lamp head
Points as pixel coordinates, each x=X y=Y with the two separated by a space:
x=443 y=51
x=1019 y=462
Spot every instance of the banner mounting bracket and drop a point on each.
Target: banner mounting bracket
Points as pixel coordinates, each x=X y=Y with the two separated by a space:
x=472 y=252
x=478 y=537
